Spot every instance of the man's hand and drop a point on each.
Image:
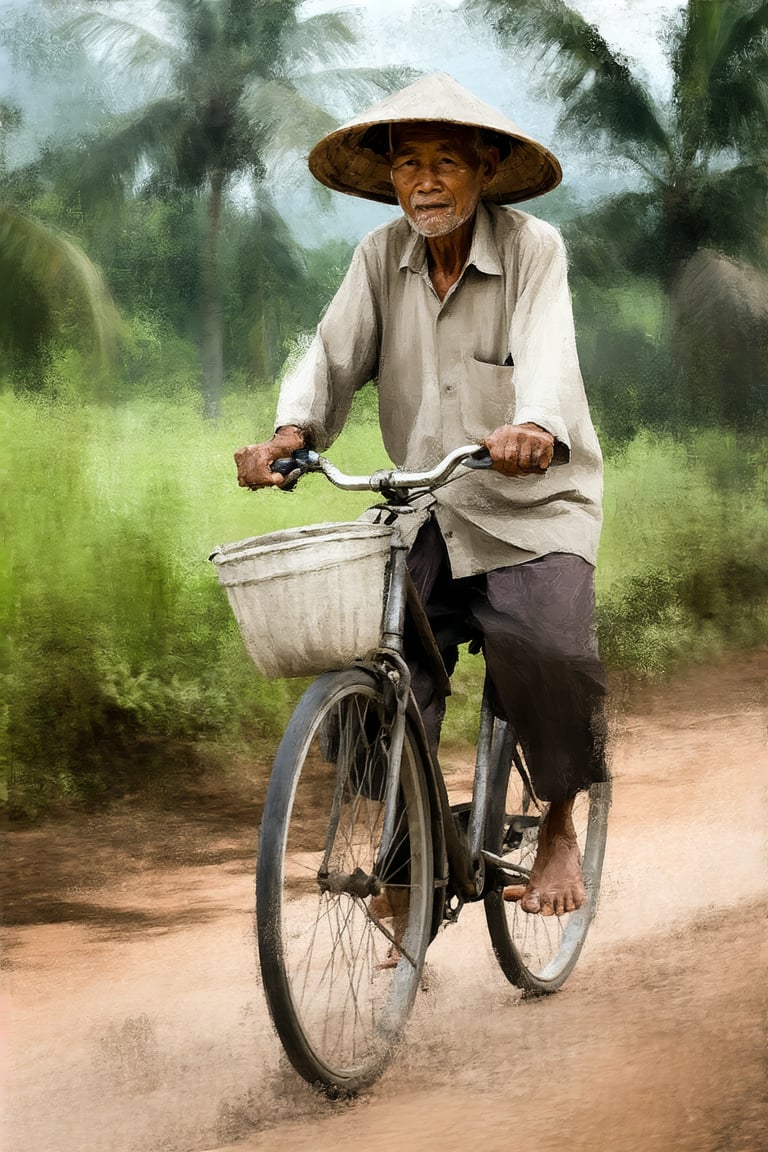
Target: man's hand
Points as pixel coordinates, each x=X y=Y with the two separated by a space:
x=254 y=462
x=520 y=449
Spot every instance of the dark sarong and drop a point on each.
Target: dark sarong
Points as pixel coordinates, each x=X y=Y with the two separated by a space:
x=535 y=622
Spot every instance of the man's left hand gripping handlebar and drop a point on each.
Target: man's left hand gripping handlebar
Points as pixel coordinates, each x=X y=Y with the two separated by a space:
x=255 y=461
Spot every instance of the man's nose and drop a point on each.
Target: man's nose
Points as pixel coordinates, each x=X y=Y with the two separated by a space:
x=427 y=176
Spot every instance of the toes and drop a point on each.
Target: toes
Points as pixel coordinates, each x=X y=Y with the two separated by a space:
x=546 y=902
x=531 y=901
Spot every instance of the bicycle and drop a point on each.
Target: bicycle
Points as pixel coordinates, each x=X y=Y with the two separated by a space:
x=356 y=809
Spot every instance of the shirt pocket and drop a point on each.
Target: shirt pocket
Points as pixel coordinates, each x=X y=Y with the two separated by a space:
x=488 y=397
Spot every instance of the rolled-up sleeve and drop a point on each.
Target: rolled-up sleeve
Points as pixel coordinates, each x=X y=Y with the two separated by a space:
x=316 y=395
x=542 y=339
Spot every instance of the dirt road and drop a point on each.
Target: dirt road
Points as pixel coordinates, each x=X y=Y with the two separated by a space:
x=137 y=1023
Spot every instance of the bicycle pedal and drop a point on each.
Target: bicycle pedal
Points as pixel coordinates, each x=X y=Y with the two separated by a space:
x=452 y=908
x=520 y=823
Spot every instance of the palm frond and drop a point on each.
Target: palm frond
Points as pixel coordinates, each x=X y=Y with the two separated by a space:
x=268 y=231
x=602 y=97
x=737 y=106
x=56 y=266
x=320 y=39
x=290 y=121
x=347 y=90
x=622 y=234
x=702 y=33
x=113 y=160
x=734 y=204
x=737 y=110
x=720 y=64
x=127 y=41
x=745 y=35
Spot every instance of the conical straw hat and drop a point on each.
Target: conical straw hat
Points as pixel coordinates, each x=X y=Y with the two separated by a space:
x=353 y=158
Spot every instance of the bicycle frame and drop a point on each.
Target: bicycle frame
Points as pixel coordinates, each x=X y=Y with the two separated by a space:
x=466 y=858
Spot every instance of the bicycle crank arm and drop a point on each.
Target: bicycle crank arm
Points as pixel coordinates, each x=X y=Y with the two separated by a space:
x=516 y=871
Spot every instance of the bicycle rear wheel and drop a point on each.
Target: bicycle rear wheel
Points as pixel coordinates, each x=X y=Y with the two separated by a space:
x=537 y=953
x=340 y=975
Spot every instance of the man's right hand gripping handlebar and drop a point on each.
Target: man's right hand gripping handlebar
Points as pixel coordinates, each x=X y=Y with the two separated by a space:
x=255 y=461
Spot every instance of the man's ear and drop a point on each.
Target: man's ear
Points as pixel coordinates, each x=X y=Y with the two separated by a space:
x=490 y=165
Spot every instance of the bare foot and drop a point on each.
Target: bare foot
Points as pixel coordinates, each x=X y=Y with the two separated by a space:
x=556 y=885
x=390 y=908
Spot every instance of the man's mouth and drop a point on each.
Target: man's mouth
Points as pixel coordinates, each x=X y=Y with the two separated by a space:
x=430 y=207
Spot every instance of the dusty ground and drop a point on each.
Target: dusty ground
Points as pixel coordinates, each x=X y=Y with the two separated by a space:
x=137 y=1023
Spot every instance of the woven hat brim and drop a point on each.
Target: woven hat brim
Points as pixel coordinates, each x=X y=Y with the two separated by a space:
x=343 y=162
x=352 y=159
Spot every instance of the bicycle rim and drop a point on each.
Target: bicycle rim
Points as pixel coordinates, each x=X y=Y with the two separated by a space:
x=537 y=953
x=340 y=973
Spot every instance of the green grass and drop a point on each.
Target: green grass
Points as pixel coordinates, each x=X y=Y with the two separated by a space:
x=121 y=657
x=121 y=662
x=683 y=569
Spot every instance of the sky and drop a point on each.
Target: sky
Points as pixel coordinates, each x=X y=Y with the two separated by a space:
x=425 y=35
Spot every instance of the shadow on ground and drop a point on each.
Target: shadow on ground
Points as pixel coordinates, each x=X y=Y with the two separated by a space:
x=53 y=867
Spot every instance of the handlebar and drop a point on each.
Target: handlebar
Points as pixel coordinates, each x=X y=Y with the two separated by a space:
x=384 y=480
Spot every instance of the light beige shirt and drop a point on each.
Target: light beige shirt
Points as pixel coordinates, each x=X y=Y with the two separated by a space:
x=443 y=381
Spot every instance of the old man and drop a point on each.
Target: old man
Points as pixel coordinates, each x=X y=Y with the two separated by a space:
x=460 y=311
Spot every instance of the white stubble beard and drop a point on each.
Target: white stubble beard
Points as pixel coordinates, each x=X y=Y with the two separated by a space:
x=443 y=227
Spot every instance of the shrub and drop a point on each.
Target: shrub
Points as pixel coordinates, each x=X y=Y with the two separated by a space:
x=122 y=664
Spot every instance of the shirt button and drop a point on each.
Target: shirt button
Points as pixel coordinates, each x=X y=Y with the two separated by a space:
x=449 y=387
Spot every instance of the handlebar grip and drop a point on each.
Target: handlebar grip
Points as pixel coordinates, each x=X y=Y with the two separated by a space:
x=294 y=467
x=285 y=465
x=289 y=468
x=481 y=459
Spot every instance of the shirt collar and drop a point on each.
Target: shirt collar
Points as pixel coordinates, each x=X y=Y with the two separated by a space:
x=483 y=253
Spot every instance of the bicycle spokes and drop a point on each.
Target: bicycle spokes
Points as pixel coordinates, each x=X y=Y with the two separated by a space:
x=352 y=924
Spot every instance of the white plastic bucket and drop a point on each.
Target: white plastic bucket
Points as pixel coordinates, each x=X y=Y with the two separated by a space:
x=307 y=599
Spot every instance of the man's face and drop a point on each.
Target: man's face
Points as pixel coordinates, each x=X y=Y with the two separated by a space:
x=438 y=176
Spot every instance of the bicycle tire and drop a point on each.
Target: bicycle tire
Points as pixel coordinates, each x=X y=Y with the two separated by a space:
x=538 y=953
x=339 y=1010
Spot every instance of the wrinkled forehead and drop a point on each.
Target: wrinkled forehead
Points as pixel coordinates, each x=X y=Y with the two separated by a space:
x=451 y=136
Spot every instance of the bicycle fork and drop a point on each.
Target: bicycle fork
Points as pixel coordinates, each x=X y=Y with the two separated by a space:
x=399 y=679
x=396 y=682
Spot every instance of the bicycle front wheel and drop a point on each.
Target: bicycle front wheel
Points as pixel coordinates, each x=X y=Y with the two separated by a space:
x=342 y=941
x=537 y=953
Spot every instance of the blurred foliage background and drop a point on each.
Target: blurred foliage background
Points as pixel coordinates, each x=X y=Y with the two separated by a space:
x=151 y=290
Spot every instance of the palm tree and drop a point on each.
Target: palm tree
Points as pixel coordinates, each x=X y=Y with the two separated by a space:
x=43 y=273
x=701 y=160
x=245 y=83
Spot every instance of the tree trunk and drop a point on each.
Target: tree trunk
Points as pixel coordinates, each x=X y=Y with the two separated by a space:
x=212 y=310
